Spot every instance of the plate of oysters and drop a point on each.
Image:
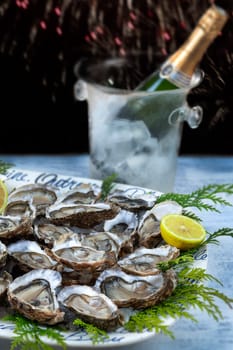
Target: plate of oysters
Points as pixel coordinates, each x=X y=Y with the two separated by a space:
x=66 y=254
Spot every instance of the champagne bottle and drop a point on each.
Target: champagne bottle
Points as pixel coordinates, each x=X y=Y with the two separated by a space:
x=178 y=70
x=177 y=75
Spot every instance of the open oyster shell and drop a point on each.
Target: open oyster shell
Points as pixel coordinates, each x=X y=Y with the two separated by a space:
x=83 y=215
x=49 y=233
x=14 y=227
x=144 y=261
x=34 y=296
x=3 y=254
x=30 y=255
x=40 y=196
x=5 y=280
x=136 y=291
x=90 y=306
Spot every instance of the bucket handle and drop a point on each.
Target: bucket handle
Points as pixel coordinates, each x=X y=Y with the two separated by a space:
x=193 y=116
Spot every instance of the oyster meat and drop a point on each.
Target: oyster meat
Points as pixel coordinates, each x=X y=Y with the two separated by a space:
x=136 y=291
x=144 y=261
x=34 y=296
x=90 y=306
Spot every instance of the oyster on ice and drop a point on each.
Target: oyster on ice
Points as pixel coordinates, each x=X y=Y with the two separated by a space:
x=22 y=208
x=135 y=291
x=90 y=306
x=34 y=296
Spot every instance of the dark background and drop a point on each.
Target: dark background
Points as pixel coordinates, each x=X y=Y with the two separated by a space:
x=37 y=68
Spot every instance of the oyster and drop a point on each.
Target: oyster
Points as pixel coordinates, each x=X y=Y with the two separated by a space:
x=81 y=258
x=82 y=194
x=3 y=254
x=39 y=195
x=83 y=215
x=12 y=227
x=104 y=241
x=22 y=208
x=90 y=306
x=144 y=261
x=124 y=226
x=49 y=233
x=136 y=291
x=132 y=202
x=34 y=296
x=5 y=280
x=30 y=255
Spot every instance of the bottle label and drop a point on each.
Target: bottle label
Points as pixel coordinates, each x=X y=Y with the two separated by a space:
x=178 y=78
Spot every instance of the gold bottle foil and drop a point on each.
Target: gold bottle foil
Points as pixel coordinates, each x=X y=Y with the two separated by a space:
x=180 y=67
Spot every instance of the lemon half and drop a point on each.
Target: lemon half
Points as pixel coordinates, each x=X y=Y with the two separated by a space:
x=3 y=196
x=181 y=231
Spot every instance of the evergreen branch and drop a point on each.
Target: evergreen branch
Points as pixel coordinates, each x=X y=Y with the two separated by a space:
x=202 y=197
x=107 y=186
x=187 y=294
x=213 y=238
x=4 y=166
x=96 y=335
x=28 y=335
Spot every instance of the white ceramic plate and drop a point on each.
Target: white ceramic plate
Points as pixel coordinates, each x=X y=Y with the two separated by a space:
x=79 y=339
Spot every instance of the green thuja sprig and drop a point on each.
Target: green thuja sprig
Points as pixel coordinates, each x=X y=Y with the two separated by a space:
x=96 y=335
x=4 y=166
x=205 y=198
x=107 y=186
x=28 y=335
x=187 y=294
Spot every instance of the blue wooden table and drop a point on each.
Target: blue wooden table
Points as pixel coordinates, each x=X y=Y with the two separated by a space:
x=192 y=173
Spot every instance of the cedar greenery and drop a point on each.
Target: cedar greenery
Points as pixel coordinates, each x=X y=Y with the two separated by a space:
x=107 y=186
x=201 y=198
x=187 y=294
x=28 y=335
x=4 y=166
x=96 y=335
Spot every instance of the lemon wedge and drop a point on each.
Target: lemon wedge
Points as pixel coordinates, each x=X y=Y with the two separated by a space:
x=181 y=231
x=3 y=196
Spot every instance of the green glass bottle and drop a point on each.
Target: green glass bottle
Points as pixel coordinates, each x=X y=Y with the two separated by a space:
x=176 y=76
x=179 y=68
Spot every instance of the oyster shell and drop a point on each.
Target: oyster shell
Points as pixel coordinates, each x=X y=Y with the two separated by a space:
x=136 y=291
x=39 y=195
x=34 y=296
x=49 y=233
x=132 y=202
x=22 y=208
x=5 y=280
x=30 y=255
x=144 y=261
x=82 y=194
x=83 y=215
x=124 y=226
x=90 y=306
x=77 y=257
x=12 y=227
x=3 y=254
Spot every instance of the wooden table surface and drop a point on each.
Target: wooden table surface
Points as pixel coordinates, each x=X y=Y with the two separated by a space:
x=192 y=173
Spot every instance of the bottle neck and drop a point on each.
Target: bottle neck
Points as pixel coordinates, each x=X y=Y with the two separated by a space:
x=180 y=67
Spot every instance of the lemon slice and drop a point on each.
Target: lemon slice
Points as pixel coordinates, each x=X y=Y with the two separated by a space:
x=181 y=231
x=3 y=196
